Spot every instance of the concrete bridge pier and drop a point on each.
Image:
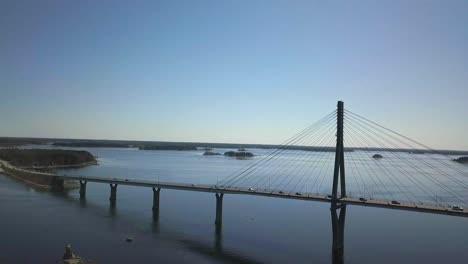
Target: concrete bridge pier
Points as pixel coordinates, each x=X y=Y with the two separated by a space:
x=219 y=210
x=156 y=192
x=113 y=195
x=83 y=189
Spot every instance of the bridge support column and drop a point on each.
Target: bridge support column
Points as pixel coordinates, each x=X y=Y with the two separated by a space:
x=338 y=224
x=156 y=192
x=219 y=210
x=113 y=194
x=339 y=171
x=83 y=189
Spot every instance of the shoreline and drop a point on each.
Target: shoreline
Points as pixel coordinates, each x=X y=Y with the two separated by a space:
x=111 y=143
x=71 y=166
x=41 y=180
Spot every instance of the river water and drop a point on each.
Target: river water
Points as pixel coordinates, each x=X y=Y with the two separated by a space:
x=36 y=225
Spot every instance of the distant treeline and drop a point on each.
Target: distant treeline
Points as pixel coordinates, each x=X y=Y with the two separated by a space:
x=417 y=151
x=160 y=145
x=45 y=157
x=167 y=147
x=13 y=142
x=91 y=144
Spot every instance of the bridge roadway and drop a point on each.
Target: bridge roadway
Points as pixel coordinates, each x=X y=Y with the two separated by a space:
x=272 y=193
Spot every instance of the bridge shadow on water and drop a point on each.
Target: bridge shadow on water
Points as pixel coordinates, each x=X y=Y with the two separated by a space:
x=215 y=250
x=338 y=216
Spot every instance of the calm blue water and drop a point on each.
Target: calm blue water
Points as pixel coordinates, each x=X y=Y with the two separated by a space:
x=36 y=225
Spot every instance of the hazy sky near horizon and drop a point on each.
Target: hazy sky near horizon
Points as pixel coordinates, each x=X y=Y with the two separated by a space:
x=231 y=71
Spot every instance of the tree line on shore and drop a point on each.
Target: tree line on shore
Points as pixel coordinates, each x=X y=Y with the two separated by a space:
x=161 y=145
x=45 y=157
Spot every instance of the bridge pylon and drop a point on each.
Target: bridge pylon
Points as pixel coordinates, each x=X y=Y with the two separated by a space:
x=339 y=171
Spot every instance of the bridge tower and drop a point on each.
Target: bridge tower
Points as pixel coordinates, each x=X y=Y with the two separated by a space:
x=339 y=171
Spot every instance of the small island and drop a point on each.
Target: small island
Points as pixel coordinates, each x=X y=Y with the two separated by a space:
x=461 y=160
x=239 y=154
x=377 y=156
x=211 y=153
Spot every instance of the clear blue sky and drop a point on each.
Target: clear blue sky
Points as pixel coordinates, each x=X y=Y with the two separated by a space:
x=231 y=71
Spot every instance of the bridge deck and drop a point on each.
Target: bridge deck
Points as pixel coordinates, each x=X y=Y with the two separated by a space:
x=273 y=193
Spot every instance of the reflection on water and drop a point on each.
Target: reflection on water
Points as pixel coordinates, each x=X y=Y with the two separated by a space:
x=338 y=215
x=254 y=229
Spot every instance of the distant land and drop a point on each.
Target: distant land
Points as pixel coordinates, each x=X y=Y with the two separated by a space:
x=461 y=160
x=46 y=157
x=13 y=142
x=162 y=145
x=167 y=147
x=91 y=144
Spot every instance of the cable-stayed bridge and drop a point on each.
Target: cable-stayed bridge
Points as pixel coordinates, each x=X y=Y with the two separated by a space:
x=342 y=159
x=383 y=168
